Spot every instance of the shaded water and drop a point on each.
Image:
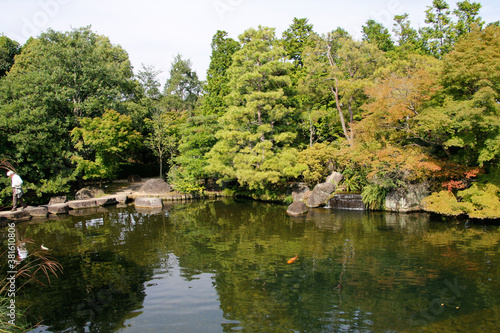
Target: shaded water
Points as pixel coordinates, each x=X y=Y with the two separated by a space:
x=221 y=266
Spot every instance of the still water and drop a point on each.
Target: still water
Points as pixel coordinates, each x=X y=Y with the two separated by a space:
x=221 y=266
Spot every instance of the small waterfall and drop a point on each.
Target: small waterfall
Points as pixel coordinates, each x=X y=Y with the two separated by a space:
x=346 y=201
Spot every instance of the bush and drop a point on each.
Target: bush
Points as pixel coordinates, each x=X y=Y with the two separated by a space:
x=478 y=201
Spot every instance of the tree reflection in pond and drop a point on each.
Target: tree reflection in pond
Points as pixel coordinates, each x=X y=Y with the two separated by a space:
x=224 y=265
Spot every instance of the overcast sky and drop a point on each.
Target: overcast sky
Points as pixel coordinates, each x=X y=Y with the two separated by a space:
x=154 y=31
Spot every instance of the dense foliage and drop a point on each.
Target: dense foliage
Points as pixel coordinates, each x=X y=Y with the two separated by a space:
x=388 y=111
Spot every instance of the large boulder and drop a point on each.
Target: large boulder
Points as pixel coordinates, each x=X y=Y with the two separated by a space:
x=320 y=194
x=58 y=200
x=297 y=208
x=155 y=185
x=60 y=208
x=39 y=211
x=89 y=193
x=409 y=199
x=298 y=190
x=335 y=178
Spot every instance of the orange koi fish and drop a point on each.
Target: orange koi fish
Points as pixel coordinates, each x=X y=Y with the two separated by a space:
x=292 y=260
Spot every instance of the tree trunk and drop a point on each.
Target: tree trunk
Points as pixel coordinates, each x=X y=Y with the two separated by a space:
x=341 y=115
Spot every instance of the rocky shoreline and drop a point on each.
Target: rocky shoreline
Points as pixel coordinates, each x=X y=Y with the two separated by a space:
x=144 y=194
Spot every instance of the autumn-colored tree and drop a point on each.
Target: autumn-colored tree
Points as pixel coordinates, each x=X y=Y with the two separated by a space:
x=397 y=97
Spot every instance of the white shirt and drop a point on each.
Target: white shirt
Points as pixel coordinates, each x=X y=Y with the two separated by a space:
x=16 y=180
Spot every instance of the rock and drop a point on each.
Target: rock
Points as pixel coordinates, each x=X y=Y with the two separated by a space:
x=17 y=215
x=335 y=178
x=79 y=204
x=146 y=202
x=62 y=208
x=409 y=199
x=297 y=208
x=57 y=200
x=320 y=194
x=39 y=211
x=298 y=190
x=121 y=198
x=156 y=185
x=106 y=201
x=88 y=193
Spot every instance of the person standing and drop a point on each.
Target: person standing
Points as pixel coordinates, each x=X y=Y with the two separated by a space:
x=17 y=191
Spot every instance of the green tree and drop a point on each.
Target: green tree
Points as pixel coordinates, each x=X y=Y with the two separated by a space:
x=439 y=36
x=197 y=132
x=343 y=67
x=58 y=77
x=255 y=138
x=377 y=34
x=466 y=125
x=148 y=79
x=467 y=13
x=217 y=87
x=103 y=144
x=164 y=136
x=407 y=38
x=183 y=88
x=8 y=50
x=296 y=38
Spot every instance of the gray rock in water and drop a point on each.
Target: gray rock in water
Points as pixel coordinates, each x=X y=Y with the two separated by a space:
x=320 y=194
x=409 y=199
x=37 y=211
x=146 y=202
x=297 y=208
x=56 y=209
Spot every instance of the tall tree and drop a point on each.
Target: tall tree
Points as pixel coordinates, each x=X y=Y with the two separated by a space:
x=438 y=37
x=183 y=87
x=467 y=16
x=255 y=138
x=196 y=138
x=221 y=59
x=148 y=79
x=343 y=67
x=296 y=38
x=407 y=38
x=377 y=34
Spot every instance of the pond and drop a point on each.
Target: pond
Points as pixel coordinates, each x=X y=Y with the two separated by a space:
x=222 y=266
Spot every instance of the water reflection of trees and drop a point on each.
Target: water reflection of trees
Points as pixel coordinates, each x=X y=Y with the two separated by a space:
x=346 y=276
x=106 y=259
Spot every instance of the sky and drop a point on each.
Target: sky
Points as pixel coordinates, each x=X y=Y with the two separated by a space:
x=153 y=32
